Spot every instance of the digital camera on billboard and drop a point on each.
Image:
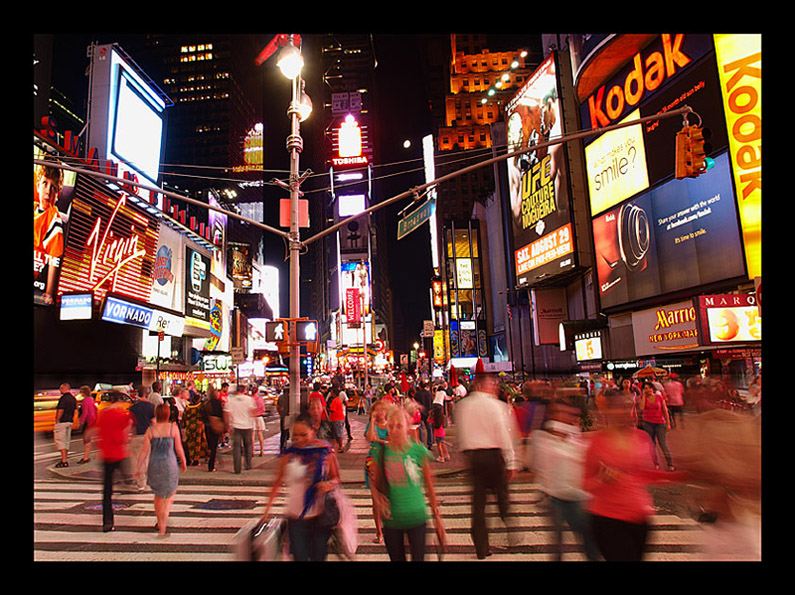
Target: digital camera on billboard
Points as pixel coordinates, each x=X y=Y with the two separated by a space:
x=622 y=240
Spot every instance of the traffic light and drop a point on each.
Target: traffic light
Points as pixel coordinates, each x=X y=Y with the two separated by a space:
x=691 y=152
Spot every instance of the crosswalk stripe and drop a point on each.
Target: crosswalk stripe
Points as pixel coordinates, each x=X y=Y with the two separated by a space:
x=205 y=520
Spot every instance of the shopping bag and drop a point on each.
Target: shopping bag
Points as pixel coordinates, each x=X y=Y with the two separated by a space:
x=260 y=542
x=346 y=533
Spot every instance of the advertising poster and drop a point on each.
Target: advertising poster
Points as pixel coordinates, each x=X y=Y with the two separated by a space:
x=679 y=235
x=740 y=67
x=52 y=194
x=730 y=318
x=197 y=287
x=167 y=269
x=240 y=267
x=538 y=185
x=616 y=164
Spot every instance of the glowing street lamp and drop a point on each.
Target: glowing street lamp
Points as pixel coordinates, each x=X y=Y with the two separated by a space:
x=290 y=63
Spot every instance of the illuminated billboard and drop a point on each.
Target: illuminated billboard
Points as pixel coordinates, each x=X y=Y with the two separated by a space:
x=731 y=318
x=679 y=235
x=739 y=60
x=127 y=119
x=111 y=245
x=52 y=193
x=539 y=190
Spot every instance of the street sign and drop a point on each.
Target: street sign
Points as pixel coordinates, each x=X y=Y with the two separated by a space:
x=238 y=355
x=416 y=218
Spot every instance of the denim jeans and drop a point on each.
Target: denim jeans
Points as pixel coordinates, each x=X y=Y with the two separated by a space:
x=659 y=435
x=573 y=513
x=242 y=443
x=308 y=543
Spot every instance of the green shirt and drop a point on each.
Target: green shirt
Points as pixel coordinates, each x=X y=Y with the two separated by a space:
x=405 y=479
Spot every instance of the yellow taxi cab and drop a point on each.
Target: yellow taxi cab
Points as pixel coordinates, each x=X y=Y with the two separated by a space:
x=102 y=398
x=44 y=404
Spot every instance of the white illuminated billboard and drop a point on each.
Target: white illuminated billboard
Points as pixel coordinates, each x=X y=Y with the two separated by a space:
x=126 y=123
x=351 y=204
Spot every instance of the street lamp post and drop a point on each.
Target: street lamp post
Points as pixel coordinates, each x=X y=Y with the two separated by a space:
x=295 y=145
x=290 y=63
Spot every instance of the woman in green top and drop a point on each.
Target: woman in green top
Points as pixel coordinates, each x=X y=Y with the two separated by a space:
x=401 y=467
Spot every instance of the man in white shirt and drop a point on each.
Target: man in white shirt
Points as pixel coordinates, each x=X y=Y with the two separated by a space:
x=239 y=415
x=155 y=398
x=486 y=432
x=559 y=459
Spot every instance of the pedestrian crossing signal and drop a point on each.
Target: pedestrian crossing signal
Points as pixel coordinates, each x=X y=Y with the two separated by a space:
x=276 y=331
x=306 y=332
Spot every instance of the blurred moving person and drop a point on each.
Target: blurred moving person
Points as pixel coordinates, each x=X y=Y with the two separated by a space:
x=113 y=432
x=239 y=415
x=143 y=413
x=655 y=422
x=88 y=422
x=486 y=431
x=559 y=464
x=64 y=418
x=376 y=433
x=616 y=476
x=401 y=468
x=308 y=469
x=214 y=425
x=161 y=450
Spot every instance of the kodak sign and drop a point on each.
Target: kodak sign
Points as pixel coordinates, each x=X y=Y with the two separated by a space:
x=739 y=59
x=649 y=69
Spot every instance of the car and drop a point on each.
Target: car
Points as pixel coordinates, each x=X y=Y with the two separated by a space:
x=45 y=403
x=354 y=396
x=102 y=398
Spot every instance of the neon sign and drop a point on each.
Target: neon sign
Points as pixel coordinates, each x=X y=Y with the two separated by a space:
x=109 y=250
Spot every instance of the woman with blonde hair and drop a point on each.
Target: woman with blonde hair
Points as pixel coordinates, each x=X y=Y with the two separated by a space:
x=400 y=470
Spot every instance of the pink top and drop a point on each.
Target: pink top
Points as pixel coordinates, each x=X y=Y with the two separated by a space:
x=626 y=497
x=652 y=412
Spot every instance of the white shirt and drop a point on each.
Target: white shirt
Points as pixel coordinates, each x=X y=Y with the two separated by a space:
x=484 y=422
x=559 y=464
x=439 y=397
x=241 y=409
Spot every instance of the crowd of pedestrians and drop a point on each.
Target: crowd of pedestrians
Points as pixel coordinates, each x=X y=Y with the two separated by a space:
x=591 y=447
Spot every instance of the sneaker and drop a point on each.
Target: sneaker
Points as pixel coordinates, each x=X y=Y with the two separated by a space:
x=61 y=464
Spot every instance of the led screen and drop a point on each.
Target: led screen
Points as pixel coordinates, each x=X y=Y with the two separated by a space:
x=138 y=128
x=680 y=235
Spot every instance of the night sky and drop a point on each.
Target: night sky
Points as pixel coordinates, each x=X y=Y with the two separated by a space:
x=402 y=112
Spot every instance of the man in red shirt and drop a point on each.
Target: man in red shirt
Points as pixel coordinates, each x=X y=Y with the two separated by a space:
x=336 y=410
x=114 y=426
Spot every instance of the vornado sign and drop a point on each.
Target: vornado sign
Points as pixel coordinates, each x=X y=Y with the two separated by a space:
x=649 y=69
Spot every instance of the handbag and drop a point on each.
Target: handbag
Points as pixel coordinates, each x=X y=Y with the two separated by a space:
x=216 y=424
x=330 y=517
